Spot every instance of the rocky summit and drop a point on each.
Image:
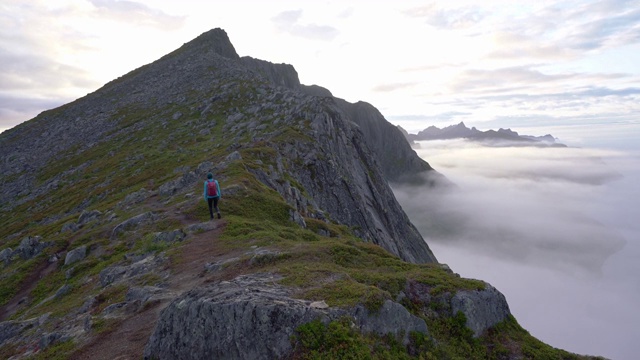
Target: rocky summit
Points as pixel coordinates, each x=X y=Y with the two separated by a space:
x=108 y=251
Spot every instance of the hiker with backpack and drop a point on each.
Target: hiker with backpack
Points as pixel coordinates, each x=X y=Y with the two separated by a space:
x=212 y=194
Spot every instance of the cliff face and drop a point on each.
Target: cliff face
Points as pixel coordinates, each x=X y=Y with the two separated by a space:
x=107 y=249
x=397 y=160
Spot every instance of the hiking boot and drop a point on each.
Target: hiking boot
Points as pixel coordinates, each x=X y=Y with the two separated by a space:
x=219 y=216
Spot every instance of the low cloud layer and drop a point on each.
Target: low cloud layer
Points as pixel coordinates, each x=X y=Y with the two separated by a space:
x=552 y=228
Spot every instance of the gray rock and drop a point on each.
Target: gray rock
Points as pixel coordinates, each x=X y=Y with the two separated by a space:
x=392 y=319
x=75 y=255
x=117 y=273
x=297 y=218
x=135 y=198
x=233 y=156
x=87 y=305
x=10 y=330
x=319 y=305
x=5 y=256
x=247 y=318
x=132 y=223
x=170 y=236
x=253 y=317
x=483 y=308
x=202 y=227
x=231 y=119
x=49 y=339
x=262 y=256
x=31 y=246
x=204 y=168
x=88 y=216
x=170 y=188
x=219 y=265
x=64 y=290
x=112 y=274
x=70 y=227
x=141 y=294
x=113 y=308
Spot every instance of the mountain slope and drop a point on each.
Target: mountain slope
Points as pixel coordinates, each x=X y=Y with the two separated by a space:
x=107 y=249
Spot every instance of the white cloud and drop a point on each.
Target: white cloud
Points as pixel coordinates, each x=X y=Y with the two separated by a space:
x=554 y=229
x=289 y=22
x=457 y=18
x=53 y=52
x=132 y=12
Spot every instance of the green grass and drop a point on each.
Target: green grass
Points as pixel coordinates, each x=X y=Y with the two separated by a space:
x=339 y=340
x=11 y=278
x=57 y=351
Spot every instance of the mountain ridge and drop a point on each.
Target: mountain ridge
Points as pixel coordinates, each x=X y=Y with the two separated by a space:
x=500 y=136
x=312 y=243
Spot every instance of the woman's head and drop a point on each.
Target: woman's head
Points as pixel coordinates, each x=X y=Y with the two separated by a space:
x=209 y=176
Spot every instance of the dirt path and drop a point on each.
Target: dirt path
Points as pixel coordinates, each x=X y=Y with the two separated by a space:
x=128 y=338
x=28 y=284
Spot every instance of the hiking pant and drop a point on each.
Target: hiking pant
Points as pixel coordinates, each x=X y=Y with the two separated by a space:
x=213 y=204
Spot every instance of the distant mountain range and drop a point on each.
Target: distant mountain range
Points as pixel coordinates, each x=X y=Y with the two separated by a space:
x=501 y=137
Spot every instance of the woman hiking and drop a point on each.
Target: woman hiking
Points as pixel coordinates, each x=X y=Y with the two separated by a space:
x=212 y=194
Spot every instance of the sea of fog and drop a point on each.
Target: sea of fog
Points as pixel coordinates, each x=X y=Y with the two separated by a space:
x=554 y=229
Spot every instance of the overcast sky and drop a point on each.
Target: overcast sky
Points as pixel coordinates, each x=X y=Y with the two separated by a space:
x=505 y=63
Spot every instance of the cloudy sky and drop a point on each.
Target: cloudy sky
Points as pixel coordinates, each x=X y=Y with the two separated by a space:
x=502 y=63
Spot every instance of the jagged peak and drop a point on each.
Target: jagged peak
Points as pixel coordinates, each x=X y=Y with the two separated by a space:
x=217 y=40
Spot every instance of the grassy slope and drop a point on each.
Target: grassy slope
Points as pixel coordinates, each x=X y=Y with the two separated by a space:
x=340 y=269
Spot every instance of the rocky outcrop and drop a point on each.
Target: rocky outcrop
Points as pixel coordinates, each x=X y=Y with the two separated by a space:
x=116 y=273
x=30 y=247
x=252 y=317
x=398 y=160
x=345 y=182
x=280 y=74
x=392 y=318
x=169 y=236
x=482 y=308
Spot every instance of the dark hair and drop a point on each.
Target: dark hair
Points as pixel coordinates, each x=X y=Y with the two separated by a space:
x=209 y=176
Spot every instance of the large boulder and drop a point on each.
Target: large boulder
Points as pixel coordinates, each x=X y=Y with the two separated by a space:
x=75 y=255
x=252 y=317
x=392 y=318
x=482 y=308
x=132 y=223
x=31 y=246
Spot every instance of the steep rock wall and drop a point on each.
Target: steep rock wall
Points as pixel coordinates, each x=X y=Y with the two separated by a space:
x=398 y=161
